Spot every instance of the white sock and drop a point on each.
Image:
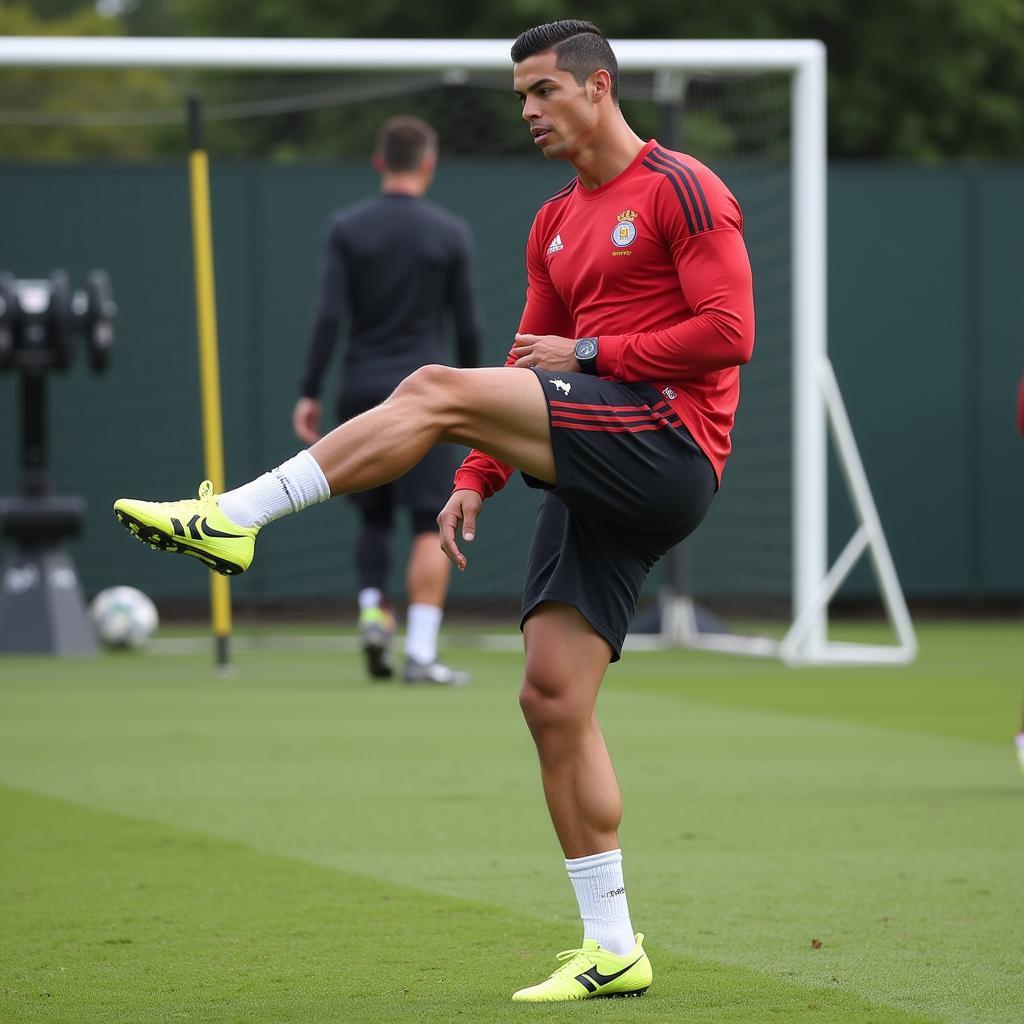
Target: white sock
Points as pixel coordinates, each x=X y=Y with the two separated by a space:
x=601 y=894
x=291 y=487
x=369 y=597
x=421 y=629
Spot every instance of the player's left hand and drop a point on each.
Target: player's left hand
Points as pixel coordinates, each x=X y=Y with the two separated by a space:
x=548 y=351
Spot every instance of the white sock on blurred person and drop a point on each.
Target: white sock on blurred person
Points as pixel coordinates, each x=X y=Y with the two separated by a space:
x=293 y=486
x=421 y=629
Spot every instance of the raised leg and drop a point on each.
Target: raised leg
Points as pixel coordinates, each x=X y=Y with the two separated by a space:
x=499 y=410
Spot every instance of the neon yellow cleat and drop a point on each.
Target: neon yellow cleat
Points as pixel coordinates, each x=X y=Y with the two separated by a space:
x=377 y=631
x=593 y=973
x=194 y=527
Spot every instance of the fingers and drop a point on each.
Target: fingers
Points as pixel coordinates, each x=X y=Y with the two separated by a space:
x=523 y=350
x=447 y=522
x=468 y=522
x=463 y=507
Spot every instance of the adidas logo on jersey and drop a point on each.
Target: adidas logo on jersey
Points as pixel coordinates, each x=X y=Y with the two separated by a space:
x=556 y=245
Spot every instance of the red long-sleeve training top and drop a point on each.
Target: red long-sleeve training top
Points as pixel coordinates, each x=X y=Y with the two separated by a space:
x=653 y=264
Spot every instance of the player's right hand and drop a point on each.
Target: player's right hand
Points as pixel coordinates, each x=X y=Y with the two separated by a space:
x=463 y=507
x=306 y=420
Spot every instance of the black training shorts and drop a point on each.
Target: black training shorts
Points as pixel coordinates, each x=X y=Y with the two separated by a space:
x=632 y=483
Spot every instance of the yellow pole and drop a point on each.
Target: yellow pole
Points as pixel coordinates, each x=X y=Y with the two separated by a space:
x=209 y=365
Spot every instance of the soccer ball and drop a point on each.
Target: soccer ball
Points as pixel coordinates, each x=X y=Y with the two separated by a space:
x=124 y=617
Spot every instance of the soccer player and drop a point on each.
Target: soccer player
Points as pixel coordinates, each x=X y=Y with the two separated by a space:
x=393 y=266
x=617 y=402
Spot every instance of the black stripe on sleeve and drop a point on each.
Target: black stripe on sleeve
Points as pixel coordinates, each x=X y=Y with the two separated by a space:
x=692 y=175
x=679 y=193
x=659 y=158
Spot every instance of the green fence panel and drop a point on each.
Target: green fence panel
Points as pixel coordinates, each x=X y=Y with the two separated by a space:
x=994 y=336
x=897 y=307
x=925 y=339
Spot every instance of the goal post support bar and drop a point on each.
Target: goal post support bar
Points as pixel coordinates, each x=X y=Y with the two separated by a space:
x=804 y=643
x=801 y=644
x=803 y=59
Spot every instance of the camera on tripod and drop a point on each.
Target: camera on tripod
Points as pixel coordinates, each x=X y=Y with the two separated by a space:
x=41 y=606
x=39 y=319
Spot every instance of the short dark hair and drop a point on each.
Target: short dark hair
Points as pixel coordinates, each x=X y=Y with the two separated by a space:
x=580 y=46
x=404 y=141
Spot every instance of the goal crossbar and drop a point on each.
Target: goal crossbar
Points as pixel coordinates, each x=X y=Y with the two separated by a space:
x=386 y=54
x=804 y=59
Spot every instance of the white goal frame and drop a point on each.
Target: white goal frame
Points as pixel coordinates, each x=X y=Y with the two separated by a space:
x=817 y=402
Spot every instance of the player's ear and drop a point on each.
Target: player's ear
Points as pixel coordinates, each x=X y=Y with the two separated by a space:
x=599 y=85
x=378 y=163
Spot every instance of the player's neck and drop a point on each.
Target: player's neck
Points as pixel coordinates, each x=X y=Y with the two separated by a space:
x=609 y=152
x=403 y=185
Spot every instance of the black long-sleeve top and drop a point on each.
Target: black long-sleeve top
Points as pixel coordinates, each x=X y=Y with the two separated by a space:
x=394 y=266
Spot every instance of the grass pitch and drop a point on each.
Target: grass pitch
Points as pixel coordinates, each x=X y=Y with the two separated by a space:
x=296 y=844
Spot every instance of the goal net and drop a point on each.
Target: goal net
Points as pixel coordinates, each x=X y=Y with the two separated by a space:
x=290 y=125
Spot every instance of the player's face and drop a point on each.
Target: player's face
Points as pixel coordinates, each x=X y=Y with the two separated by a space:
x=557 y=109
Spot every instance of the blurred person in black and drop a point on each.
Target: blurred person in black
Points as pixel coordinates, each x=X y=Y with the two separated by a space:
x=394 y=266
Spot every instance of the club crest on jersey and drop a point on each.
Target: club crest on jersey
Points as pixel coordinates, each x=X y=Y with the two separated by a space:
x=625 y=230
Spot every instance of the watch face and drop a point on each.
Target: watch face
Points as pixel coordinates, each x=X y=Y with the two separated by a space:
x=586 y=348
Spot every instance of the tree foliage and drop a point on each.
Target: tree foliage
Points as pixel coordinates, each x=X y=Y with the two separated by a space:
x=918 y=79
x=56 y=115
x=924 y=80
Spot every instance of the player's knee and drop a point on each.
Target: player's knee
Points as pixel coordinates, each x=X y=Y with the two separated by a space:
x=546 y=705
x=533 y=703
x=430 y=387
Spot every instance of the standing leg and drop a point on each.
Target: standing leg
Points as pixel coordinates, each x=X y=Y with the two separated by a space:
x=373 y=564
x=428 y=570
x=372 y=548
x=424 y=490
x=565 y=663
x=426 y=576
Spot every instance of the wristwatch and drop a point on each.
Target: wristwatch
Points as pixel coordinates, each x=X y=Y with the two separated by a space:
x=586 y=355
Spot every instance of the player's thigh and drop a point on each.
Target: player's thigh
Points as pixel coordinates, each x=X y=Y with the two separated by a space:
x=501 y=411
